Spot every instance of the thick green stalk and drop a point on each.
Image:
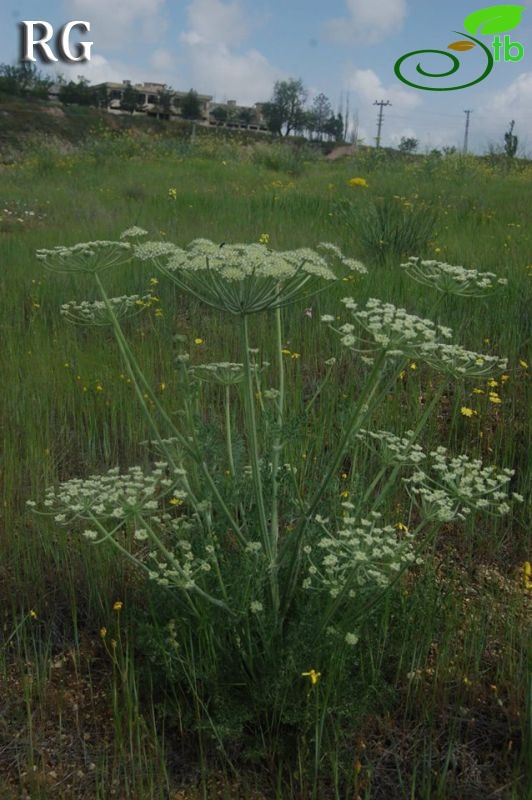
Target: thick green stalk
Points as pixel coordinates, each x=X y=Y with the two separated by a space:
x=228 y=437
x=255 y=463
x=277 y=440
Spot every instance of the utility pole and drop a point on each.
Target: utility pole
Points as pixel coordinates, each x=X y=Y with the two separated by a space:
x=382 y=105
x=467 y=112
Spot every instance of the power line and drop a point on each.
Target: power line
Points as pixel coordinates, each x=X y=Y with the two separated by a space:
x=467 y=112
x=382 y=105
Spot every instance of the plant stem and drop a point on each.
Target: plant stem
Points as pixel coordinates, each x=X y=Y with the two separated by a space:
x=277 y=441
x=228 y=437
x=255 y=463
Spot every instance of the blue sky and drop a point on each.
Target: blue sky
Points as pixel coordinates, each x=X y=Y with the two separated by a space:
x=236 y=49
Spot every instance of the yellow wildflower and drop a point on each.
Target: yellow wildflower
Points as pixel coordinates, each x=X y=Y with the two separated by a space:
x=527 y=575
x=468 y=412
x=198 y=340
x=162 y=386
x=476 y=390
x=312 y=675
x=172 y=193
x=154 y=281
x=401 y=527
x=103 y=633
x=362 y=182
x=413 y=365
x=118 y=605
x=494 y=398
x=264 y=238
x=295 y=355
x=344 y=495
x=99 y=387
x=523 y=364
x=33 y=613
x=175 y=501
x=492 y=383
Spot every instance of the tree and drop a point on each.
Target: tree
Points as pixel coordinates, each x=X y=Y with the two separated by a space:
x=130 y=99
x=321 y=112
x=334 y=127
x=78 y=92
x=191 y=106
x=246 y=116
x=23 y=80
x=219 y=113
x=408 y=144
x=164 y=102
x=286 y=108
x=510 y=141
x=101 y=96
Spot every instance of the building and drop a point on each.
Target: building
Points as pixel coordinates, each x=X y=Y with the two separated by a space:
x=153 y=99
x=231 y=115
x=157 y=100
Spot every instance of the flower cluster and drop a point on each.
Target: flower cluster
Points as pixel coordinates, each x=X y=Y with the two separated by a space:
x=238 y=261
x=85 y=256
x=182 y=568
x=394 y=449
x=113 y=496
x=133 y=232
x=458 y=486
x=451 y=279
x=224 y=373
x=96 y=312
x=151 y=251
x=246 y=278
x=361 y=554
x=395 y=332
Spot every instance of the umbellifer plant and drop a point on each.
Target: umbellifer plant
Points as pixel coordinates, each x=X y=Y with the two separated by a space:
x=265 y=573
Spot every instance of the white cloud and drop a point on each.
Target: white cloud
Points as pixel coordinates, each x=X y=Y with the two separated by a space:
x=368 y=20
x=216 y=66
x=367 y=84
x=99 y=70
x=113 y=23
x=513 y=102
x=212 y=21
x=162 y=60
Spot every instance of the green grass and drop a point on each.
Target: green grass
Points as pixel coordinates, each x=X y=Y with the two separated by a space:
x=441 y=684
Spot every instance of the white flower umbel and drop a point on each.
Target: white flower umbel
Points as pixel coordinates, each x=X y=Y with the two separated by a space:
x=224 y=373
x=394 y=449
x=396 y=333
x=151 y=251
x=89 y=257
x=454 y=487
x=133 y=233
x=97 y=312
x=247 y=278
x=359 y=555
x=450 y=279
x=113 y=496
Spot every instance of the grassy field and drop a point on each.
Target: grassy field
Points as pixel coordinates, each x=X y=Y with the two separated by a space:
x=431 y=702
